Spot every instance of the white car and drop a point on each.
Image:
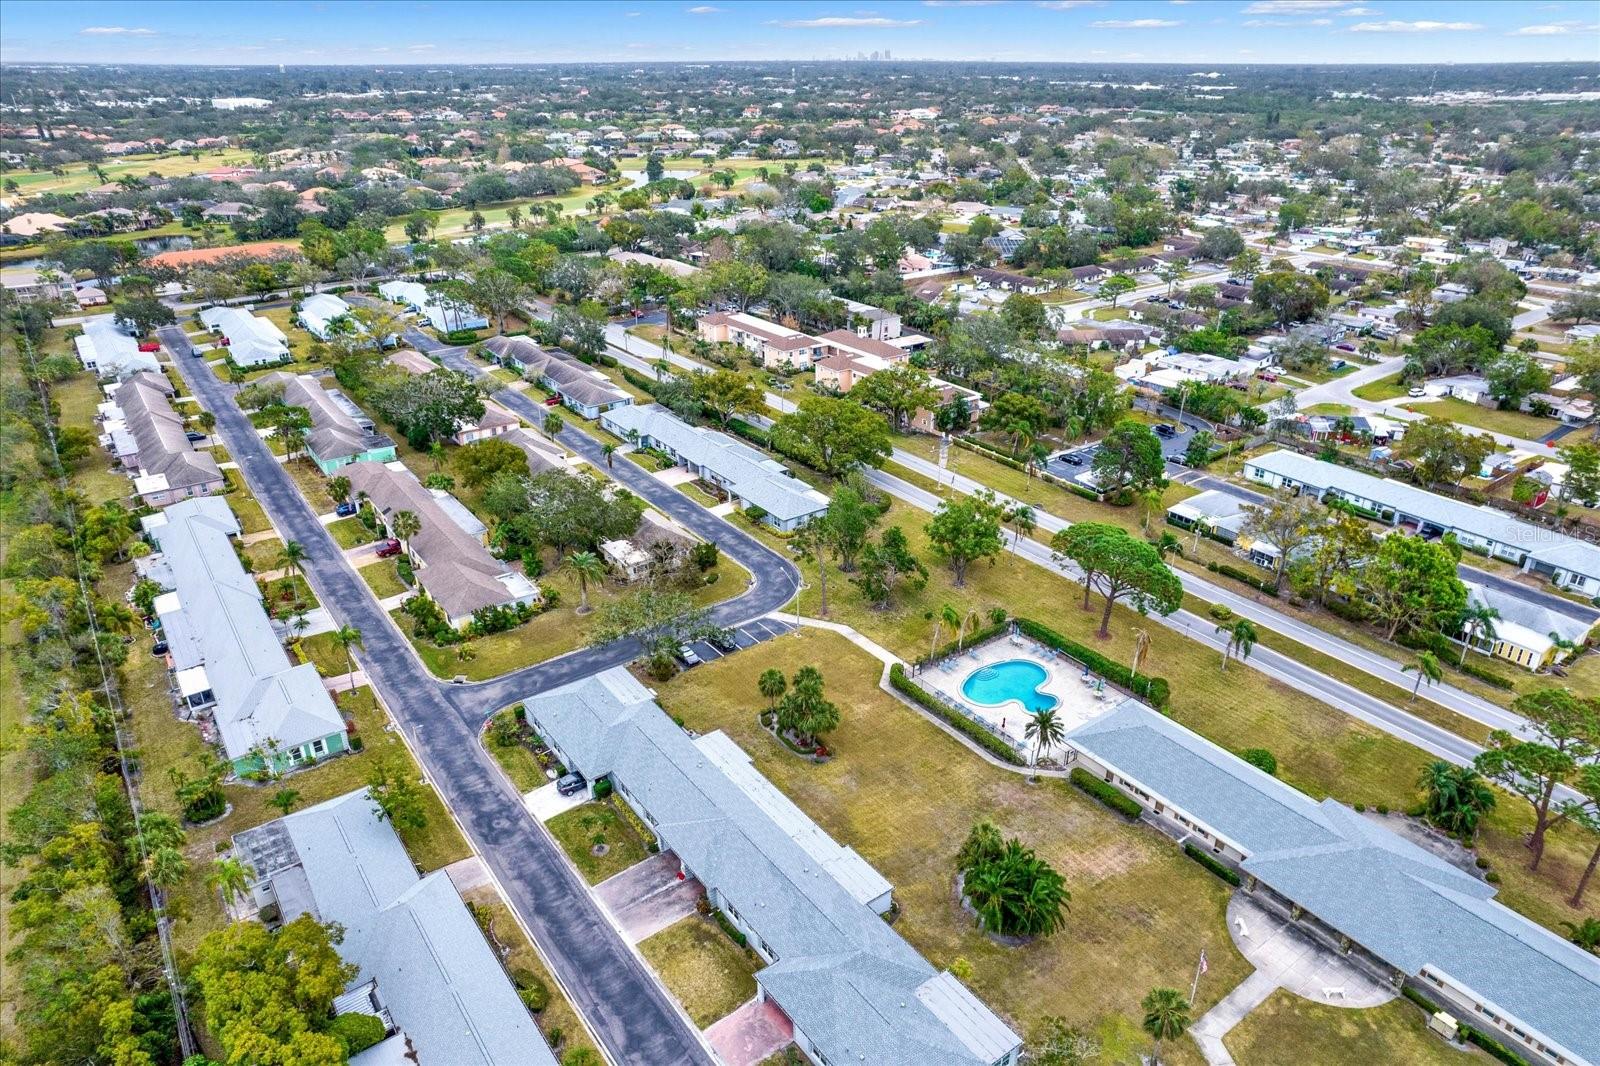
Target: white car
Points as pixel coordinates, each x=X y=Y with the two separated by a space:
x=1416 y=391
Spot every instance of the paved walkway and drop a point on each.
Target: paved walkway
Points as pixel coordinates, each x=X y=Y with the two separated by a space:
x=545 y=802
x=866 y=644
x=345 y=682
x=1284 y=956
x=755 y=1032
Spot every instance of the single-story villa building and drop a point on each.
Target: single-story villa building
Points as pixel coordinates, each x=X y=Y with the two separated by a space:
x=854 y=991
x=250 y=339
x=108 y=352
x=582 y=388
x=323 y=314
x=453 y=567
x=1392 y=907
x=1530 y=630
x=341 y=433
x=494 y=421
x=165 y=465
x=445 y=313
x=749 y=477
x=1566 y=561
x=424 y=968
x=225 y=657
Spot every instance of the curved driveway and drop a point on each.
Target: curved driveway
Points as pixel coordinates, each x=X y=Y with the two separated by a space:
x=623 y=1002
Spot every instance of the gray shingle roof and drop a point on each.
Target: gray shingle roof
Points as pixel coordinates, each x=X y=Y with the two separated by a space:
x=218 y=622
x=160 y=433
x=334 y=433
x=1400 y=902
x=442 y=985
x=844 y=977
x=755 y=477
x=1541 y=544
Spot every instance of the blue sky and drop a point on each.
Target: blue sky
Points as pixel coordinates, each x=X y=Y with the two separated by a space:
x=1184 y=31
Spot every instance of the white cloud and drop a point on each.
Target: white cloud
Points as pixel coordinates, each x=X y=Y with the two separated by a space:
x=1358 y=12
x=704 y=9
x=1136 y=24
x=117 y=31
x=1068 y=5
x=632 y=14
x=962 y=3
x=420 y=47
x=832 y=22
x=1294 y=7
x=1554 y=29
x=1419 y=26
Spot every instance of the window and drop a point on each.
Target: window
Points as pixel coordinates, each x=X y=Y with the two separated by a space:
x=319 y=747
x=296 y=756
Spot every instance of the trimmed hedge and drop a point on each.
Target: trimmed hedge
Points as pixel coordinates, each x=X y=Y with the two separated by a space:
x=1154 y=689
x=755 y=435
x=639 y=381
x=1492 y=1046
x=1265 y=587
x=728 y=927
x=1419 y=999
x=929 y=702
x=1209 y=862
x=1104 y=792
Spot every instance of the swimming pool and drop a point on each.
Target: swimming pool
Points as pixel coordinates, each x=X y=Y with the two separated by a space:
x=1013 y=679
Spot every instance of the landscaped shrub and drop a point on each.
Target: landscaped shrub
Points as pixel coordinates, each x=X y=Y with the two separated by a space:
x=639 y=381
x=402 y=568
x=1261 y=759
x=1209 y=862
x=1492 y=1046
x=602 y=788
x=356 y=1032
x=1105 y=792
x=531 y=988
x=206 y=806
x=1220 y=612
x=728 y=927
x=582 y=1056
x=759 y=437
x=1418 y=998
x=929 y=702
x=1154 y=689
x=1254 y=582
x=461 y=336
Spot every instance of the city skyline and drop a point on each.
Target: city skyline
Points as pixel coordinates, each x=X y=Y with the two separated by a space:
x=311 y=32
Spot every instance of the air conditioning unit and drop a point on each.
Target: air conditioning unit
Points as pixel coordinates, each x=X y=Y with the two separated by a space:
x=1444 y=1024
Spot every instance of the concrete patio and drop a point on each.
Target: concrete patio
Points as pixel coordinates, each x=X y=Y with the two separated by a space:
x=1076 y=701
x=649 y=896
x=751 y=1034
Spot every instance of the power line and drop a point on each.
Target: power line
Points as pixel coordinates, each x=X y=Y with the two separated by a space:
x=113 y=698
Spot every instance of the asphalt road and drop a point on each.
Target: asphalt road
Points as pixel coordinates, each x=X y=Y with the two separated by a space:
x=630 y=1013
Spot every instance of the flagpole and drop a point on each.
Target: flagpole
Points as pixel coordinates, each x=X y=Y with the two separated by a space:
x=1199 y=968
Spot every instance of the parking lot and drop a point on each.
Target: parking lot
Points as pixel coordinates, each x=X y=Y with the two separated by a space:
x=745 y=636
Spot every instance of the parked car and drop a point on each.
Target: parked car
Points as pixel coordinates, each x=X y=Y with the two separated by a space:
x=345 y=509
x=149 y=346
x=1416 y=391
x=554 y=401
x=1071 y=458
x=195 y=436
x=1166 y=429
x=688 y=656
x=1267 y=375
x=388 y=548
x=725 y=642
x=159 y=648
x=571 y=784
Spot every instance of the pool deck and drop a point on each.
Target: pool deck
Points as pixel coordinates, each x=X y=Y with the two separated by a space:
x=1076 y=702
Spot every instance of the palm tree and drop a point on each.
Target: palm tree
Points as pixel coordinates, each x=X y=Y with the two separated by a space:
x=347 y=637
x=588 y=567
x=1022 y=521
x=1046 y=731
x=230 y=877
x=609 y=451
x=1166 y=1017
x=166 y=867
x=339 y=489
x=406 y=525
x=1455 y=797
x=1585 y=934
x=292 y=556
x=1427 y=668
x=1477 y=621
x=1242 y=637
x=553 y=424
x=771 y=684
x=285 y=799
x=1141 y=648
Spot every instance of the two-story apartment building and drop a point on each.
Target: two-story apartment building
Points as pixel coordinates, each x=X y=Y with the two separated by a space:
x=777 y=346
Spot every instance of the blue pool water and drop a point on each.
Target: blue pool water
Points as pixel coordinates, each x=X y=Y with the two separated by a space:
x=1014 y=679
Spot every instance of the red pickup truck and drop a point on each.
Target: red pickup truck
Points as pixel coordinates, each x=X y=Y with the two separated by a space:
x=388 y=548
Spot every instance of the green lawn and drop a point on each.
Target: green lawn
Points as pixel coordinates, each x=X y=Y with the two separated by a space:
x=516 y=759
x=703 y=969
x=1395 y=1032
x=1334 y=409
x=80 y=176
x=349 y=532
x=1320 y=750
x=576 y=829
x=1388 y=388
x=554 y=632
x=79 y=398
x=313 y=485
x=263 y=554
x=252 y=519
x=1511 y=423
x=558 y=1019
x=288 y=595
x=330 y=658
x=383 y=577
x=903 y=793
